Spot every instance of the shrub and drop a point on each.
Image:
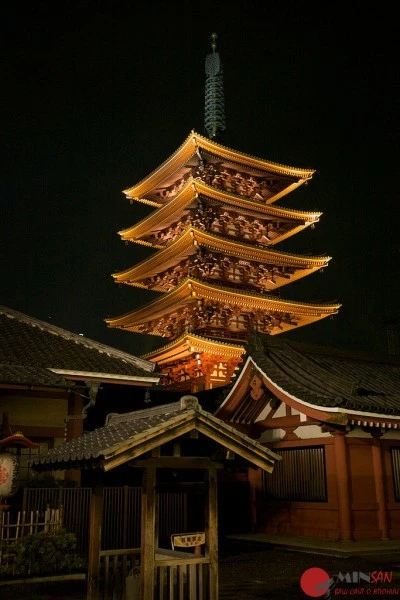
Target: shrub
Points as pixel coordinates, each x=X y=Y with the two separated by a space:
x=43 y=553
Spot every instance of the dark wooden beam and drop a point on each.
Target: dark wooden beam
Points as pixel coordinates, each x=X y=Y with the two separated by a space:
x=176 y=462
x=96 y=519
x=148 y=533
x=211 y=530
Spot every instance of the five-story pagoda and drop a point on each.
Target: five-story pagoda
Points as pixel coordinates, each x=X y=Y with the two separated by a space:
x=215 y=228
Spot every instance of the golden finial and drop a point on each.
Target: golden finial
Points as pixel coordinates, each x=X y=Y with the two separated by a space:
x=214 y=38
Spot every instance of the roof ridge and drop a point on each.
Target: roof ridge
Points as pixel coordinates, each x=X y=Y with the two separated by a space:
x=197 y=136
x=115 y=418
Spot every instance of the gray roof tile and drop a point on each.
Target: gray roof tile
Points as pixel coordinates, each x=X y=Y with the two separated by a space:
x=30 y=376
x=118 y=428
x=330 y=377
x=30 y=347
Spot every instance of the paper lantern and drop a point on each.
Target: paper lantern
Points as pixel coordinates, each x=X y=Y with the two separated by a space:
x=9 y=468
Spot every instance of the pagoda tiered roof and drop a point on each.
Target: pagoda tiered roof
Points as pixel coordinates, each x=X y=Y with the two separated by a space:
x=188 y=344
x=217 y=258
x=164 y=224
x=226 y=313
x=213 y=231
x=251 y=176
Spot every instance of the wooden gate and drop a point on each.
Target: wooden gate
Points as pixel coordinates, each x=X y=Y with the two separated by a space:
x=179 y=576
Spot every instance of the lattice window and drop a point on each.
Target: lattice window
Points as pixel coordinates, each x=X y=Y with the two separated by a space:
x=300 y=476
x=395 y=456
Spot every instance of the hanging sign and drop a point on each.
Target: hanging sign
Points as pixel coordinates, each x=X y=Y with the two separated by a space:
x=9 y=467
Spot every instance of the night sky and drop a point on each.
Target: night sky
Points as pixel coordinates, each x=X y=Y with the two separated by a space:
x=97 y=94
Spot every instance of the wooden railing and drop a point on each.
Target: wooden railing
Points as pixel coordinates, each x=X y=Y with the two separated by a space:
x=76 y=506
x=179 y=575
x=119 y=574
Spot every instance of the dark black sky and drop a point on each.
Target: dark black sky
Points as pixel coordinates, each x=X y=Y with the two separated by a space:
x=97 y=94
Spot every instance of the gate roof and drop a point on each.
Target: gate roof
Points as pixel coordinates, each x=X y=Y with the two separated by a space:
x=126 y=437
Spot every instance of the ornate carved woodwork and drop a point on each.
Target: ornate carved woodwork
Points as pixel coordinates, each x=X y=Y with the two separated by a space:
x=231 y=271
x=211 y=216
x=199 y=367
x=214 y=319
x=257 y=387
x=219 y=175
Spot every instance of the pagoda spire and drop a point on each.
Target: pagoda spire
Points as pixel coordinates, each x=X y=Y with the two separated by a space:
x=214 y=119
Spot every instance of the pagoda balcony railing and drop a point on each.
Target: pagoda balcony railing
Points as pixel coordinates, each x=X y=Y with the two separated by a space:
x=222 y=334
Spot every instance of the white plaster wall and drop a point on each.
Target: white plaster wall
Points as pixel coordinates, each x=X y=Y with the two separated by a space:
x=272 y=435
x=42 y=412
x=307 y=432
x=264 y=413
x=391 y=434
x=281 y=411
x=358 y=433
x=303 y=417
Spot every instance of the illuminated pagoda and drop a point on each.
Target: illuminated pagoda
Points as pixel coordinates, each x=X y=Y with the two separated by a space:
x=214 y=230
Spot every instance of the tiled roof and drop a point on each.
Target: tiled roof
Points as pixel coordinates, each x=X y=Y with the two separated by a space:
x=30 y=376
x=328 y=377
x=125 y=431
x=92 y=445
x=29 y=348
x=118 y=428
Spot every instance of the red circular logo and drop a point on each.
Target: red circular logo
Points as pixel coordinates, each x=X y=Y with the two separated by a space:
x=315 y=582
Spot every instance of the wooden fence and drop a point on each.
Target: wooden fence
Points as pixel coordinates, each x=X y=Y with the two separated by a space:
x=75 y=504
x=25 y=524
x=121 y=514
x=28 y=523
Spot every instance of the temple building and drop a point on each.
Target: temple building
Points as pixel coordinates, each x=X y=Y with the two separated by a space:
x=214 y=229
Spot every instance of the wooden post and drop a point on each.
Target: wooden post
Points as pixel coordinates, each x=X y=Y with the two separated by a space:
x=96 y=518
x=74 y=429
x=125 y=516
x=211 y=531
x=207 y=381
x=342 y=477
x=255 y=481
x=148 y=533
x=380 y=486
